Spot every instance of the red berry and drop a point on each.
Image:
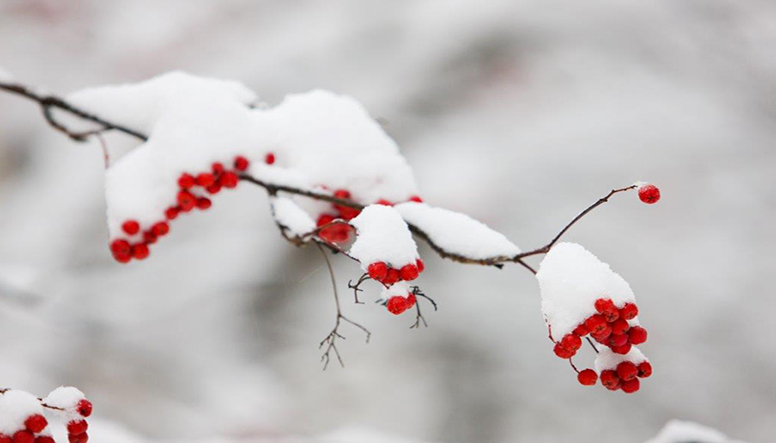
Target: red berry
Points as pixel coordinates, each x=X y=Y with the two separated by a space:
x=269 y=158
x=120 y=247
x=325 y=219
x=637 y=335
x=618 y=339
x=607 y=309
x=343 y=194
x=23 y=437
x=623 y=349
x=595 y=324
x=186 y=181
x=631 y=386
x=629 y=311
x=35 y=423
x=124 y=258
x=160 y=229
x=171 y=213
x=229 y=180
x=416 y=198
x=587 y=377
x=186 y=200
x=391 y=277
x=348 y=213
x=205 y=179
x=213 y=189
x=5 y=439
x=649 y=194
x=383 y=202
x=571 y=342
x=218 y=168
x=80 y=438
x=131 y=227
x=140 y=251
x=610 y=380
x=421 y=266
x=619 y=326
x=627 y=370
x=42 y=439
x=241 y=163
x=204 y=203
x=77 y=427
x=411 y=300
x=562 y=352
x=409 y=272
x=645 y=369
x=377 y=270
x=149 y=237
x=396 y=305
x=581 y=330
x=84 y=407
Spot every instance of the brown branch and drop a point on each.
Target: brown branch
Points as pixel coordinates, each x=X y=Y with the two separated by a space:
x=50 y=102
x=42 y=403
x=331 y=340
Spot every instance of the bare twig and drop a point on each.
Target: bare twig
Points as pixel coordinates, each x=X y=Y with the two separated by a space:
x=330 y=342
x=357 y=287
x=592 y=344
x=419 y=316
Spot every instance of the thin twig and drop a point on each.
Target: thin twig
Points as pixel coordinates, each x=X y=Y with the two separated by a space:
x=331 y=340
x=357 y=287
x=591 y=344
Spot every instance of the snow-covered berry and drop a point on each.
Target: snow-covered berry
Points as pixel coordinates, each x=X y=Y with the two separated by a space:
x=35 y=423
x=396 y=305
x=377 y=271
x=629 y=311
x=649 y=194
x=23 y=437
x=269 y=158
x=241 y=163
x=84 y=407
x=409 y=272
x=416 y=198
x=131 y=227
x=76 y=427
x=421 y=266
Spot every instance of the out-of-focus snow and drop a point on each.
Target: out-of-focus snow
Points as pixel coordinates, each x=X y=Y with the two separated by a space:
x=457 y=233
x=383 y=236
x=679 y=431
x=290 y=216
x=5 y=75
x=571 y=279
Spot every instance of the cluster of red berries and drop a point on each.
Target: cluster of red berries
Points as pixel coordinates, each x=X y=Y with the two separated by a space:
x=624 y=376
x=35 y=424
x=188 y=198
x=398 y=304
x=387 y=275
x=340 y=232
x=609 y=327
x=649 y=194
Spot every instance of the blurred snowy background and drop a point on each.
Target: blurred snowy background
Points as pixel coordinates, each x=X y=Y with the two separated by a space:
x=519 y=113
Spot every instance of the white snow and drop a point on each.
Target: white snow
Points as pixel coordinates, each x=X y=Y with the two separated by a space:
x=289 y=215
x=571 y=279
x=399 y=289
x=318 y=139
x=607 y=359
x=457 y=233
x=67 y=398
x=382 y=235
x=679 y=431
x=15 y=407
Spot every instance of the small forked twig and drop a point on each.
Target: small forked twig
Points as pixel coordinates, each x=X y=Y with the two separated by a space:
x=357 y=287
x=330 y=342
x=419 y=315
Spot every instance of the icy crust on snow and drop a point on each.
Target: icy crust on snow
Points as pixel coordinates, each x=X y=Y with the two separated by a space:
x=608 y=359
x=678 y=431
x=457 y=233
x=15 y=407
x=67 y=398
x=398 y=289
x=289 y=215
x=321 y=141
x=382 y=236
x=571 y=279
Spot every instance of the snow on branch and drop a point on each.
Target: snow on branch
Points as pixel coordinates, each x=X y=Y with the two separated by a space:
x=25 y=418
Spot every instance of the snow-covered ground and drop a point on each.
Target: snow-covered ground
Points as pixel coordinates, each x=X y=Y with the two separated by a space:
x=518 y=113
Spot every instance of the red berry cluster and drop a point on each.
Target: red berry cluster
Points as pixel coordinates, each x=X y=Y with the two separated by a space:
x=625 y=376
x=398 y=304
x=649 y=194
x=609 y=327
x=387 y=275
x=338 y=232
x=33 y=424
x=192 y=194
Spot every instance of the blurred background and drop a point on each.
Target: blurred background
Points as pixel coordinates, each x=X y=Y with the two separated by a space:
x=519 y=113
